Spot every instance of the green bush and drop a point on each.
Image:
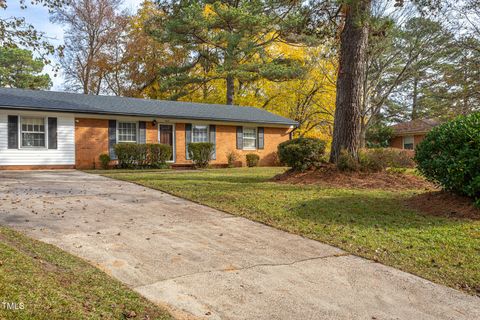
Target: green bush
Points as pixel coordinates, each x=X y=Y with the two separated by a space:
x=232 y=157
x=450 y=156
x=252 y=159
x=302 y=153
x=379 y=136
x=201 y=153
x=158 y=155
x=376 y=160
x=104 y=161
x=347 y=162
x=131 y=155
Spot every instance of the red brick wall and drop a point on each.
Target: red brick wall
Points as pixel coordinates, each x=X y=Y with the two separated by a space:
x=91 y=140
x=418 y=138
x=397 y=142
x=152 y=133
x=226 y=141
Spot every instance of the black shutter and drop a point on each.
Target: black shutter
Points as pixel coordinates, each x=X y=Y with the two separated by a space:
x=239 y=138
x=142 y=132
x=213 y=140
x=12 y=132
x=261 y=138
x=188 y=138
x=52 y=133
x=112 y=138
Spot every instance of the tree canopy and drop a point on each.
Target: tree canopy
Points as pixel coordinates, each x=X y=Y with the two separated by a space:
x=18 y=69
x=295 y=58
x=227 y=40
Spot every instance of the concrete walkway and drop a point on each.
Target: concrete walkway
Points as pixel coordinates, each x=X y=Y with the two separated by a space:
x=202 y=263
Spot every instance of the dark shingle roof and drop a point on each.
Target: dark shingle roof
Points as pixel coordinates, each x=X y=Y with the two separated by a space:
x=110 y=105
x=415 y=126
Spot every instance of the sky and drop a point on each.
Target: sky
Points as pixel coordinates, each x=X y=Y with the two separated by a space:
x=38 y=16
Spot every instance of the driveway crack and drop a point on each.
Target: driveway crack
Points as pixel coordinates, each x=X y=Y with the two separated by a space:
x=252 y=267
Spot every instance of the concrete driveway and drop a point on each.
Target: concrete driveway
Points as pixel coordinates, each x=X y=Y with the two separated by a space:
x=202 y=263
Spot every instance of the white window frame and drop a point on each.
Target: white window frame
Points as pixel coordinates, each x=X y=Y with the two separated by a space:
x=255 y=129
x=202 y=125
x=118 y=131
x=20 y=138
x=412 y=143
x=174 y=147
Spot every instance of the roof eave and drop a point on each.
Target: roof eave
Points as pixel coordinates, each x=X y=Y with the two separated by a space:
x=49 y=109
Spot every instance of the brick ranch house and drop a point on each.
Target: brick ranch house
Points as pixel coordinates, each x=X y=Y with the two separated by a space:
x=48 y=130
x=407 y=135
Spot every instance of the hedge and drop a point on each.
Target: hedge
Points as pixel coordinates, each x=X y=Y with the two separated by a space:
x=133 y=155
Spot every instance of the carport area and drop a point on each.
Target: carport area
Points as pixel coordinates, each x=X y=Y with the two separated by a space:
x=202 y=263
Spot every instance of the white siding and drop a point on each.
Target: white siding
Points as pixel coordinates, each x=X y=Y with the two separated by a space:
x=63 y=155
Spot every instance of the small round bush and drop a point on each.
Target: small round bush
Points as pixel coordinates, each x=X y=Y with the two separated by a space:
x=104 y=161
x=201 y=153
x=450 y=156
x=302 y=153
x=252 y=159
x=232 y=157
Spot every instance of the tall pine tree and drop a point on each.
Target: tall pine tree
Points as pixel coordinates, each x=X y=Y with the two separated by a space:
x=227 y=40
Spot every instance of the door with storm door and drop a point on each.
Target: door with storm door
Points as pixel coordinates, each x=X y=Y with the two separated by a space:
x=166 y=136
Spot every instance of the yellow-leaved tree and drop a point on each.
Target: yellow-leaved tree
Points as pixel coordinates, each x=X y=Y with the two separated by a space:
x=310 y=100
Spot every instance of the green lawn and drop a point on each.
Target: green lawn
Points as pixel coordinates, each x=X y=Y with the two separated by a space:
x=369 y=223
x=47 y=283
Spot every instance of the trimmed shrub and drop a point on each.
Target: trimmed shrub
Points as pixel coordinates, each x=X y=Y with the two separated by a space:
x=131 y=155
x=346 y=162
x=450 y=156
x=232 y=157
x=379 y=159
x=252 y=159
x=201 y=153
x=375 y=160
x=104 y=161
x=302 y=153
x=158 y=155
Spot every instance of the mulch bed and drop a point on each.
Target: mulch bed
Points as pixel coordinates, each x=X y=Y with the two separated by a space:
x=330 y=176
x=444 y=204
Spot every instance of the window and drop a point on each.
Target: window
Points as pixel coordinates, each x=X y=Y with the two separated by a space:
x=408 y=142
x=200 y=133
x=249 y=138
x=127 y=132
x=33 y=132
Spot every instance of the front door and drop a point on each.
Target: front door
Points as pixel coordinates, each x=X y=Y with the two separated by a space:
x=166 y=135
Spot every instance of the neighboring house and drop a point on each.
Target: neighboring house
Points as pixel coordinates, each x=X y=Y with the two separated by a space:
x=407 y=135
x=45 y=129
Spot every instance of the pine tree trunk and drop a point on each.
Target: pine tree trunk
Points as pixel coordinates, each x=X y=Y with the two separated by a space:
x=230 y=89
x=352 y=68
x=415 y=99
